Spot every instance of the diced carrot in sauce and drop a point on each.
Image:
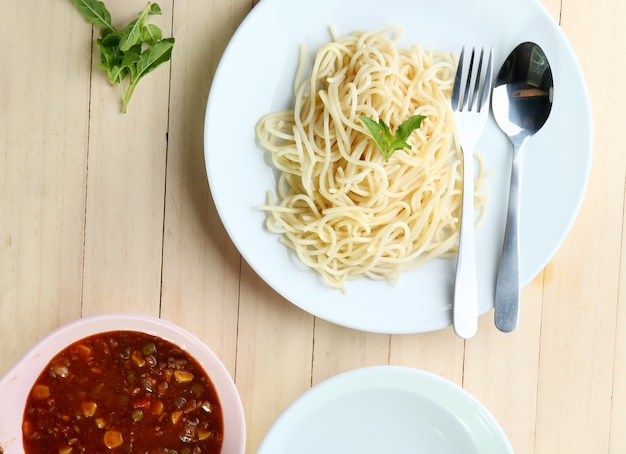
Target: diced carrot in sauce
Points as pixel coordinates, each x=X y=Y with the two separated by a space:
x=129 y=379
x=203 y=434
x=176 y=415
x=27 y=429
x=113 y=439
x=144 y=403
x=40 y=392
x=89 y=408
x=157 y=408
x=183 y=376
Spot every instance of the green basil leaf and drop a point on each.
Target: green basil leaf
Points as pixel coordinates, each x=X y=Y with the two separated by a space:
x=154 y=9
x=109 y=53
x=122 y=52
x=115 y=72
x=375 y=131
x=151 y=34
x=411 y=124
x=130 y=58
x=398 y=144
x=158 y=53
x=387 y=143
x=95 y=13
x=109 y=40
x=133 y=32
x=131 y=35
x=386 y=132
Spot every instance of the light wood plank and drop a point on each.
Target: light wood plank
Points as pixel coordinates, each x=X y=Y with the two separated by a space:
x=439 y=352
x=44 y=90
x=126 y=185
x=609 y=99
x=200 y=288
x=338 y=349
x=501 y=369
x=617 y=436
x=274 y=355
x=120 y=203
x=580 y=297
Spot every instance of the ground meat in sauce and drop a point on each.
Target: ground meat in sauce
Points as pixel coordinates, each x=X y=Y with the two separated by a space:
x=122 y=392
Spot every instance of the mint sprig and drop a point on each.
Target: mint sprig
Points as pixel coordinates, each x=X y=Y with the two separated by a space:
x=127 y=55
x=387 y=142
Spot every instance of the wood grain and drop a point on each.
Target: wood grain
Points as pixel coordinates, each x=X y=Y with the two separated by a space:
x=102 y=211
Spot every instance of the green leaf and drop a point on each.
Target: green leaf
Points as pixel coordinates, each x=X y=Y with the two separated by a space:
x=405 y=129
x=149 y=60
x=95 y=13
x=110 y=55
x=154 y=9
x=385 y=140
x=386 y=132
x=122 y=53
x=115 y=73
x=132 y=56
x=111 y=40
x=159 y=53
x=151 y=34
x=375 y=130
x=133 y=33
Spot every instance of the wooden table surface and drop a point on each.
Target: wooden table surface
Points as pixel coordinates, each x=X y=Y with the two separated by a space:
x=102 y=211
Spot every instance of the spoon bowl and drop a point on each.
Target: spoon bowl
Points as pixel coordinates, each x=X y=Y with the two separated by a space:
x=521 y=102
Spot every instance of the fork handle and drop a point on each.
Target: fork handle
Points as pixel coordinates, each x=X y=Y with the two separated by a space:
x=507 y=303
x=465 y=305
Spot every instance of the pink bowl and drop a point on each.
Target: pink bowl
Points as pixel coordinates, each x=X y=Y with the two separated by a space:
x=16 y=384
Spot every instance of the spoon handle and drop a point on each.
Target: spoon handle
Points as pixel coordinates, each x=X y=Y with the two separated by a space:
x=507 y=304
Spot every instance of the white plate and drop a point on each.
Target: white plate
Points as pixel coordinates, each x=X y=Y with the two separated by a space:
x=386 y=409
x=255 y=76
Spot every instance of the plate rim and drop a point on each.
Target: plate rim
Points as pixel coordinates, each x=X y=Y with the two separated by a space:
x=425 y=324
x=375 y=377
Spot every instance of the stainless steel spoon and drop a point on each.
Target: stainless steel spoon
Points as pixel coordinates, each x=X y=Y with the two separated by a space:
x=521 y=103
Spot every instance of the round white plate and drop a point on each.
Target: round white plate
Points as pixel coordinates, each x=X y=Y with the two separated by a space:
x=255 y=76
x=386 y=409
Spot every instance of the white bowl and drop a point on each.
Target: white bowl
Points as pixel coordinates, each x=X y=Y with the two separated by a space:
x=16 y=384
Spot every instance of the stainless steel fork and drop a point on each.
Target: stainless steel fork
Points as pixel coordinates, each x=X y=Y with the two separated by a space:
x=470 y=103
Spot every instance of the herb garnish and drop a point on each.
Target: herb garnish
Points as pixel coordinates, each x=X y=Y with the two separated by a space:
x=383 y=137
x=130 y=53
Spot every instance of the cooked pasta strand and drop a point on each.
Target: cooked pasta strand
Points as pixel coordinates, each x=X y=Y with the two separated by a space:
x=344 y=209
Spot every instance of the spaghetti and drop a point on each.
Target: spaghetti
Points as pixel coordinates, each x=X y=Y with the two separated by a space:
x=345 y=210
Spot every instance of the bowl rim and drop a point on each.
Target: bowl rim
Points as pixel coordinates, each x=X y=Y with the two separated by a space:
x=17 y=382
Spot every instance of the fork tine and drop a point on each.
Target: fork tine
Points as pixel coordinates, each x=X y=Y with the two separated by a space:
x=472 y=91
x=466 y=94
x=456 y=90
x=484 y=101
x=475 y=94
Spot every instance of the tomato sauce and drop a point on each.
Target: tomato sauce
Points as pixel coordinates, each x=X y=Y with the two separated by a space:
x=123 y=392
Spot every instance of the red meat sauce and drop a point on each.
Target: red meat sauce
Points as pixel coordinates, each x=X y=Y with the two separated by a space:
x=122 y=392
